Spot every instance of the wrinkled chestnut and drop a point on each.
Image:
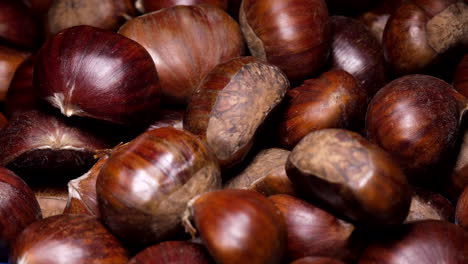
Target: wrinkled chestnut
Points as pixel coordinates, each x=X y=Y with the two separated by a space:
x=106 y=14
x=460 y=80
x=10 y=60
x=72 y=239
x=145 y=185
x=293 y=35
x=186 y=43
x=47 y=149
x=355 y=50
x=17 y=25
x=427 y=205
x=317 y=260
x=265 y=174
x=52 y=200
x=312 y=231
x=334 y=100
x=461 y=216
x=428 y=242
x=351 y=176
x=416 y=119
x=111 y=78
x=231 y=103
x=20 y=95
x=18 y=208
x=238 y=226
x=153 y=5
x=420 y=31
x=173 y=252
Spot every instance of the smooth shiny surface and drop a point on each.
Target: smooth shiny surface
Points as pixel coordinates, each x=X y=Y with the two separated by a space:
x=20 y=95
x=10 y=60
x=173 y=252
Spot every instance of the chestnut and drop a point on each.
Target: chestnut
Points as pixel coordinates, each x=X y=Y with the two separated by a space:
x=345 y=7
x=17 y=26
x=231 y=103
x=144 y=186
x=416 y=119
x=317 y=260
x=173 y=252
x=3 y=121
x=461 y=216
x=428 y=242
x=238 y=226
x=168 y=118
x=20 y=95
x=426 y=205
x=154 y=5
x=18 y=208
x=265 y=174
x=46 y=149
x=460 y=80
x=312 y=231
x=420 y=31
x=105 y=14
x=350 y=176
x=38 y=7
x=52 y=200
x=334 y=100
x=68 y=239
x=10 y=60
x=293 y=35
x=355 y=50
x=111 y=78
x=186 y=43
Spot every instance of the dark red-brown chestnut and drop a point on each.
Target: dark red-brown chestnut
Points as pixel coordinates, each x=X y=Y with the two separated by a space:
x=293 y=35
x=231 y=103
x=154 y=5
x=355 y=50
x=173 y=252
x=71 y=239
x=3 y=121
x=460 y=80
x=10 y=60
x=20 y=95
x=334 y=100
x=461 y=216
x=416 y=119
x=351 y=176
x=317 y=260
x=18 y=208
x=427 y=205
x=111 y=78
x=17 y=25
x=144 y=187
x=52 y=200
x=238 y=226
x=105 y=14
x=428 y=242
x=312 y=231
x=169 y=118
x=265 y=174
x=186 y=43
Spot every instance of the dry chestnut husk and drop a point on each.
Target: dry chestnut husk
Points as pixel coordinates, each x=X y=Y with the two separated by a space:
x=17 y=25
x=334 y=100
x=427 y=205
x=111 y=78
x=350 y=176
x=10 y=60
x=105 y=14
x=144 y=186
x=293 y=35
x=265 y=174
x=312 y=231
x=317 y=260
x=238 y=226
x=420 y=31
x=428 y=242
x=461 y=216
x=231 y=103
x=71 y=239
x=186 y=43
x=18 y=208
x=460 y=80
x=173 y=252
x=52 y=200
x=416 y=119
x=154 y=5
x=355 y=50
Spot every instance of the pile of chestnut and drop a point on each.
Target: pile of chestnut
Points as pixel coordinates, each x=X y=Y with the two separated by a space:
x=234 y=131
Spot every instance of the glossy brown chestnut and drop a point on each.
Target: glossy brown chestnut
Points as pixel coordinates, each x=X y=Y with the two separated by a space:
x=238 y=226
x=111 y=78
x=231 y=103
x=265 y=174
x=72 y=239
x=52 y=200
x=427 y=205
x=351 y=176
x=144 y=187
x=46 y=149
x=105 y=14
x=173 y=252
x=461 y=216
x=334 y=100
x=20 y=95
x=355 y=50
x=17 y=25
x=10 y=60
x=460 y=80
x=186 y=43
x=18 y=208
x=153 y=5
x=427 y=242
x=317 y=260
x=312 y=231
x=293 y=35
x=416 y=119
x=168 y=118
x=419 y=31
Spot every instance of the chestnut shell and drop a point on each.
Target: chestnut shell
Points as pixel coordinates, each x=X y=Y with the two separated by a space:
x=173 y=252
x=154 y=5
x=17 y=26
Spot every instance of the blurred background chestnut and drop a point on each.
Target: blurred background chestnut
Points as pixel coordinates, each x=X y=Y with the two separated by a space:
x=18 y=28
x=174 y=252
x=20 y=95
x=10 y=60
